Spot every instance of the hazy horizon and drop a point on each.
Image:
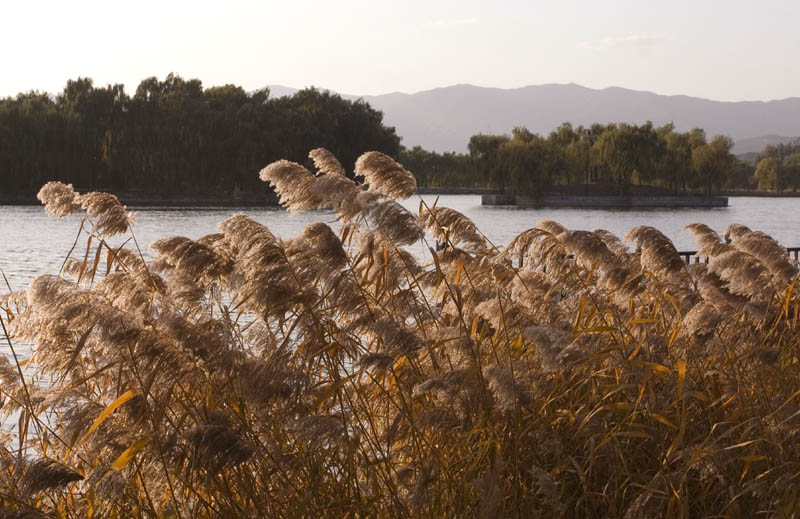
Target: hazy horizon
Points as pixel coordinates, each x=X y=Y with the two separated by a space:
x=441 y=87
x=725 y=51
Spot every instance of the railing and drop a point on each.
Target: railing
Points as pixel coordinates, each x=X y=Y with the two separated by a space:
x=687 y=255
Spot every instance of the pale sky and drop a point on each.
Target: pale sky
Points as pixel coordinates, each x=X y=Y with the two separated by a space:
x=727 y=50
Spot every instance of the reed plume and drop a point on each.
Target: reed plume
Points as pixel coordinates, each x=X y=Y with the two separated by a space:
x=339 y=193
x=326 y=162
x=44 y=474
x=386 y=176
x=58 y=198
x=658 y=254
x=110 y=218
x=449 y=226
x=292 y=182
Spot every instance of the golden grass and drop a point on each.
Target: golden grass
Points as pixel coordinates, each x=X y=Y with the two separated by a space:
x=334 y=375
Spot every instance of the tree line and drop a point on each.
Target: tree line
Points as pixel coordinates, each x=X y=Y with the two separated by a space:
x=175 y=136
x=618 y=154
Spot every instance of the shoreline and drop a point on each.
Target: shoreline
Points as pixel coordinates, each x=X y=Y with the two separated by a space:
x=136 y=200
x=270 y=200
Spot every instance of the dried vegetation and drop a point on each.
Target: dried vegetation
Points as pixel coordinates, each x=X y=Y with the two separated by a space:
x=335 y=374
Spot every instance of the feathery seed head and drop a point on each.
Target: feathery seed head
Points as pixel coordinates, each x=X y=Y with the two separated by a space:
x=338 y=192
x=450 y=225
x=109 y=215
x=58 y=198
x=390 y=218
x=326 y=162
x=44 y=474
x=292 y=182
x=552 y=227
x=386 y=176
x=659 y=255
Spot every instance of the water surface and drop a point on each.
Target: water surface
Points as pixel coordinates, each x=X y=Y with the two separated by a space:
x=33 y=243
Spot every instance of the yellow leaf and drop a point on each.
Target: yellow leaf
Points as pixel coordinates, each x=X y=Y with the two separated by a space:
x=635 y=352
x=127 y=395
x=788 y=298
x=674 y=303
x=681 y=375
x=662 y=419
x=458 y=271
x=85 y=258
x=673 y=336
x=678 y=439
x=516 y=345
x=740 y=445
x=751 y=459
x=129 y=453
x=660 y=367
x=97 y=260
x=474 y=327
x=796 y=315
x=600 y=329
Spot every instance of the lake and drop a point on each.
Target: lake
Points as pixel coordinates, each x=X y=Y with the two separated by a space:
x=33 y=243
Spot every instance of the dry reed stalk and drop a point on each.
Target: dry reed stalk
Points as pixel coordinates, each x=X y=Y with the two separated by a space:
x=325 y=375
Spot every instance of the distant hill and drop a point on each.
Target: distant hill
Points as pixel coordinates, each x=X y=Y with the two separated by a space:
x=755 y=145
x=444 y=119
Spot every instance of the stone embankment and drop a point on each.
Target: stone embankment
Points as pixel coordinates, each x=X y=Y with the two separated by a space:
x=605 y=202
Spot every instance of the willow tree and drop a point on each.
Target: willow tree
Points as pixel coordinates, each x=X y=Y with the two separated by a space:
x=768 y=174
x=712 y=162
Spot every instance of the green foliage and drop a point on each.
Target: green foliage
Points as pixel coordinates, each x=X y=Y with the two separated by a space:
x=174 y=136
x=621 y=154
x=524 y=162
x=484 y=151
x=767 y=174
x=713 y=162
x=629 y=149
x=780 y=151
x=777 y=171
x=675 y=166
x=439 y=169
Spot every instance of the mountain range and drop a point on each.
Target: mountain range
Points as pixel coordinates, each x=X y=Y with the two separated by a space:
x=443 y=119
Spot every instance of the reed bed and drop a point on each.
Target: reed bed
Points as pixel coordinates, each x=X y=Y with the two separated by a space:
x=334 y=374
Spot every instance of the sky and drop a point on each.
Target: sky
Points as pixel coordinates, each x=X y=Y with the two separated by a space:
x=725 y=50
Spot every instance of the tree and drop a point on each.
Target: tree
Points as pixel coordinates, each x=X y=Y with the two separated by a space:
x=675 y=166
x=768 y=174
x=791 y=170
x=484 y=153
x=712 y=162
x=524 y=165
x=629 y=149
x=578 y=157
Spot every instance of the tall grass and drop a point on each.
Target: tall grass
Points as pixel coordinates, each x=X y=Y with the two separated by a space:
x=334 y=374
